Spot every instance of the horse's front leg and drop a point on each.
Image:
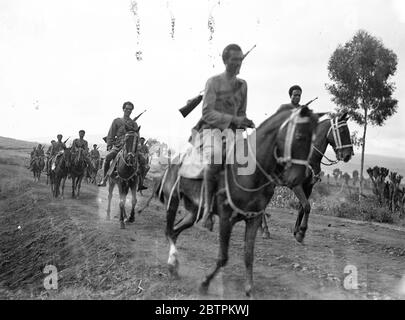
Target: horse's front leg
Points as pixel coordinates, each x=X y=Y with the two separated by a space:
x=264 y=226
x=63 y=186
x=172 y=262
x=301 y=224
x=73 y=185
x=225 y=229
x=123 y=190
x=250 y=237
x=79 y=183
x=134 y=200
x=111 y=185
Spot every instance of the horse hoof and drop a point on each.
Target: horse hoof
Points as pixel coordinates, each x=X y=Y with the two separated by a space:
x=122 y=225
x=131 y=220
x=203 y=289
x=299 y=237
x=174 y=271
x=266 y=235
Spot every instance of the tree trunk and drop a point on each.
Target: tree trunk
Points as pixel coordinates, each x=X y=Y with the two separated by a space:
x=363 y=146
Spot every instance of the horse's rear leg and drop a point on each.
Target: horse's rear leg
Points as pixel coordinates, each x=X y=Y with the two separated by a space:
x=73 y=186
x=225 y=229
x=172 y=262
x=250 y=236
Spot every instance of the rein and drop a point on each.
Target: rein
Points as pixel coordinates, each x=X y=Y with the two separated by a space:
x=287 y=160
x=134 y=147
x=335 y=124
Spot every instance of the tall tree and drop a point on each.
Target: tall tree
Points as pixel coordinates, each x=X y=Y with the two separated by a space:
x=360 y=71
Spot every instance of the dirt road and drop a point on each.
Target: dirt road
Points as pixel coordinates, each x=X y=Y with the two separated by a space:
x=97 y=260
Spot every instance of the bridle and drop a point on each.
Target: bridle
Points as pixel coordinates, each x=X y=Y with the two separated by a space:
x=131 y=154
x=286 y=160
x=335 y=125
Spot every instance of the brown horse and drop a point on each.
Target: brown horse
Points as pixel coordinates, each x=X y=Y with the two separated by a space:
x=38 y=165
x=59 y=173
x=332 y=131
x=283 y=146
x=125 y=176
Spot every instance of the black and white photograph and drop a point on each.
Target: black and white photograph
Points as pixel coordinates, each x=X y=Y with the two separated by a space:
x=219 y=151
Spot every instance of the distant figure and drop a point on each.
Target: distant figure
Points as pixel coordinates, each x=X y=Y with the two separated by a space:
x=48 y=155
x=37 y=152
x=81 y=144
x=95 y=156
x=295 y=95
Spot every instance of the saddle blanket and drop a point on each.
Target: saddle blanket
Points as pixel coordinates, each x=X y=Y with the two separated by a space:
x=192 y=164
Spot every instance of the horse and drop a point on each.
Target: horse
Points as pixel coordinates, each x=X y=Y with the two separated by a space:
x=283 y=142
x=91 y=171
x=59 y=173
x=38 y=165
x=77 y=171
x=332 y=131
x=126 y=176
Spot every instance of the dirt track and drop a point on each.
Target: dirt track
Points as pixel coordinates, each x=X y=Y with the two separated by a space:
x=95 y=259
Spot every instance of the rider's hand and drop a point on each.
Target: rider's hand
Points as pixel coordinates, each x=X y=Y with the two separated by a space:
x=109 y=148
x=247 y=123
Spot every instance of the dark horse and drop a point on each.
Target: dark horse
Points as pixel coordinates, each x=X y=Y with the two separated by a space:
x=91 y=171
x=77 y=171
x=38 y=165
x=283 y=144
x=125 y=177
x=331 y=131
x=59 y=173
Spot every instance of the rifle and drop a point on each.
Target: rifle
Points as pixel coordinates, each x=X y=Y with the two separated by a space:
x=309 y=102
x=136 y=118
x=194 y=102
x=66 y=140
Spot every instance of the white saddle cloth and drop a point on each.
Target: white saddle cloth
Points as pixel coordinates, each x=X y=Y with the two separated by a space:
x=192 y=164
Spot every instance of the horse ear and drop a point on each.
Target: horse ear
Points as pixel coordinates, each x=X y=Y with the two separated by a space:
x=343 y=117
x=321 y=114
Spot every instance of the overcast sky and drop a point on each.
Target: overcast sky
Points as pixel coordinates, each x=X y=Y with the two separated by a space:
x=69 y=65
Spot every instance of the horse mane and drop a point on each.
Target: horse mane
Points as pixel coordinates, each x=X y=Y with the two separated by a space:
x=274 y=121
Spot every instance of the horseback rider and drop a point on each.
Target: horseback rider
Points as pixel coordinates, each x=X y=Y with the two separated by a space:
x=143 y=163
x=57 y=149
x=48 y=155
x=95 y=156
x=295 y=95
x=116 y=137
x=81 y=144
x=224 y=107
x=37 y=152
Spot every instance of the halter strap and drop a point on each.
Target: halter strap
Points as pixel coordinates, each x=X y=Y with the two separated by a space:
x=335 y=124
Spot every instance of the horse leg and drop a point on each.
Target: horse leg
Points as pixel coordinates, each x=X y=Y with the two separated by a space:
x=301 y=224
x=189 y=220
x=134 y=200
x=264 y=226
x=252 y=225
x=225 y=229
x=123 y=190
x=73 y=185
x=111 y=185
x=172 y=262
x=79 y=183
x=63 y=187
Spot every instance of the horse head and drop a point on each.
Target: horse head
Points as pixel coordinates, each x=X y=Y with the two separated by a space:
x=130 y=148
x=338 y=136
x=294 y=145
